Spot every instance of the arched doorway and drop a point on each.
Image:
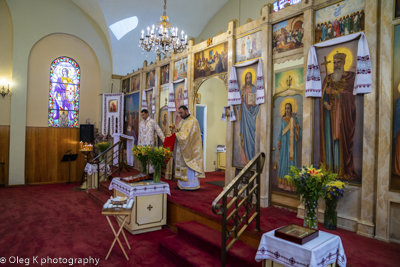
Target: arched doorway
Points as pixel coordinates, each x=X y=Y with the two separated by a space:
x=213 y=96
x=298 y=25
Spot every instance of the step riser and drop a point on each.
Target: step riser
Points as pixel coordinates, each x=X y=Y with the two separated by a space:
x=183 y=253
x=98 y=201
x=211 y=249
x=178 y=261
x=205 y=246
x=209 y=240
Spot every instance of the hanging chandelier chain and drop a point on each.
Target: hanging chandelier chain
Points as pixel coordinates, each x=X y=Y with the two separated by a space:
x=165 y=7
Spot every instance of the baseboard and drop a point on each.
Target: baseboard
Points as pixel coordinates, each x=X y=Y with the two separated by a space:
x=382 y=239
x=352 y=224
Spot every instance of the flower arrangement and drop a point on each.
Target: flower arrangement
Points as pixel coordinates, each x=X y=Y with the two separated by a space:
x=102 y=146
x=310 y=184
x=159 y=155
x=333 y=192
x=99 y=138
x=140 y=152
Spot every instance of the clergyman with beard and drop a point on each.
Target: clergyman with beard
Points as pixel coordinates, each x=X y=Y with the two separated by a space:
x=248 y=118
x=338 y=120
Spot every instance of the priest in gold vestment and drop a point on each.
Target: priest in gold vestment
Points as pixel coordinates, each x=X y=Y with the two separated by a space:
x=188 y=152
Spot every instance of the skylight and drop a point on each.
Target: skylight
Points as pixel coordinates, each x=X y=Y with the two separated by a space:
x=124 y=26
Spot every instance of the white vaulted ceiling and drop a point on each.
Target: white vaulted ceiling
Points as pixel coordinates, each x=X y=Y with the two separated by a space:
x=188 y=15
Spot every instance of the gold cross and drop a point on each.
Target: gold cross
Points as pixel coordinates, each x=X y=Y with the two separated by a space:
x=289 y=81
x=149 y=207
x=326 y=65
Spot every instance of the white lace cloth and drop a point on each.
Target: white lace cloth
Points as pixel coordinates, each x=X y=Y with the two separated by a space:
x=91 y=168
x=139 y=190
x=319 y=252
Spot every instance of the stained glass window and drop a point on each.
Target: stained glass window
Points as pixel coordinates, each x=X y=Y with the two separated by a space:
x=64 y=88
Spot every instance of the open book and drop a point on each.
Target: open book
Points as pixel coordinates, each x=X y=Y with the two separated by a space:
x=251 y=98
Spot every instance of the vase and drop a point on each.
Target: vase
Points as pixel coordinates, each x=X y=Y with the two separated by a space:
x=330 y=215
x=144 y=167
x=157 y=173
x=311 y=214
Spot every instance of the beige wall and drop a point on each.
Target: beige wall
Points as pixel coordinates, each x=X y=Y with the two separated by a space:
x=234 y=9
x=214 y=96
x=42 y=55
x=31 y=22
x=6 y=37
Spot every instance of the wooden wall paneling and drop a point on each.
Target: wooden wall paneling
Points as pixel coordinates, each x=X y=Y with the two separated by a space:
x=45 y=148
x=4 y=152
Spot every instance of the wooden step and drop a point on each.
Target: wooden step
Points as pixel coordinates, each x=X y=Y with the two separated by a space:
x=101 y=196
x=209 y=240
x=185 y=254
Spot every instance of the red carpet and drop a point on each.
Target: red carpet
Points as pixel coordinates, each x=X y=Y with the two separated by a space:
x=54 y=221
x=360 y=251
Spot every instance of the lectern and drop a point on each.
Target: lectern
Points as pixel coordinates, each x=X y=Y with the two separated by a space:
x=69 y=157
x=129 y=144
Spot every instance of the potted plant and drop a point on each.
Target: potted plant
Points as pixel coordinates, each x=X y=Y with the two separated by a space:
x=310 y=183
x=158 y=157
x=333 y=192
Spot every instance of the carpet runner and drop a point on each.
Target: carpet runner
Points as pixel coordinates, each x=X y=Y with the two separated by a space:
x=205 y=242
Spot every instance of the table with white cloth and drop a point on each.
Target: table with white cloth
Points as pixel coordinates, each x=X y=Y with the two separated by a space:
x=149 y=212
x=322 y=251
x=92 y=175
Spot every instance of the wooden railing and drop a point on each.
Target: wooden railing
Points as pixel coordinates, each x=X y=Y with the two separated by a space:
x=246 y=189
x=105 y=162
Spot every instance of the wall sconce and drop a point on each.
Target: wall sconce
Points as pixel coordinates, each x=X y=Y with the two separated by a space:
x=4 y=92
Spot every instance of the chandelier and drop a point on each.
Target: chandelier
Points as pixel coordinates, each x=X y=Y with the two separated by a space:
x=158 y=39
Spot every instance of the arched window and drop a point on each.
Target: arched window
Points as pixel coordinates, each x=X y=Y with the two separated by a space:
x=65 y=76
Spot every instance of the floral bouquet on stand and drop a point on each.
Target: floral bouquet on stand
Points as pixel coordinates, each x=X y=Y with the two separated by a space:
x=102 y=146
x=310 y=184
x=333 y=192
x=158 y=157
x=99 y=138
x=140 y=152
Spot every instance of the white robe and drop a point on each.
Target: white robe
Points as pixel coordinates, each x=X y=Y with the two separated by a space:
x=147 y=136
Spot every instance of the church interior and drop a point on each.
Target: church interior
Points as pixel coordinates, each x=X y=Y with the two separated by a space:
x=292 y=136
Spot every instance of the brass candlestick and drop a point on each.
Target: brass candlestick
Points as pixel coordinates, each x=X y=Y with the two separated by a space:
x=86 y=153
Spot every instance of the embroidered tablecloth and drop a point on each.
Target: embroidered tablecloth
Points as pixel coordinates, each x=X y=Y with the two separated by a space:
x=319 y=252
x=139 y=190
x=92 y=168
